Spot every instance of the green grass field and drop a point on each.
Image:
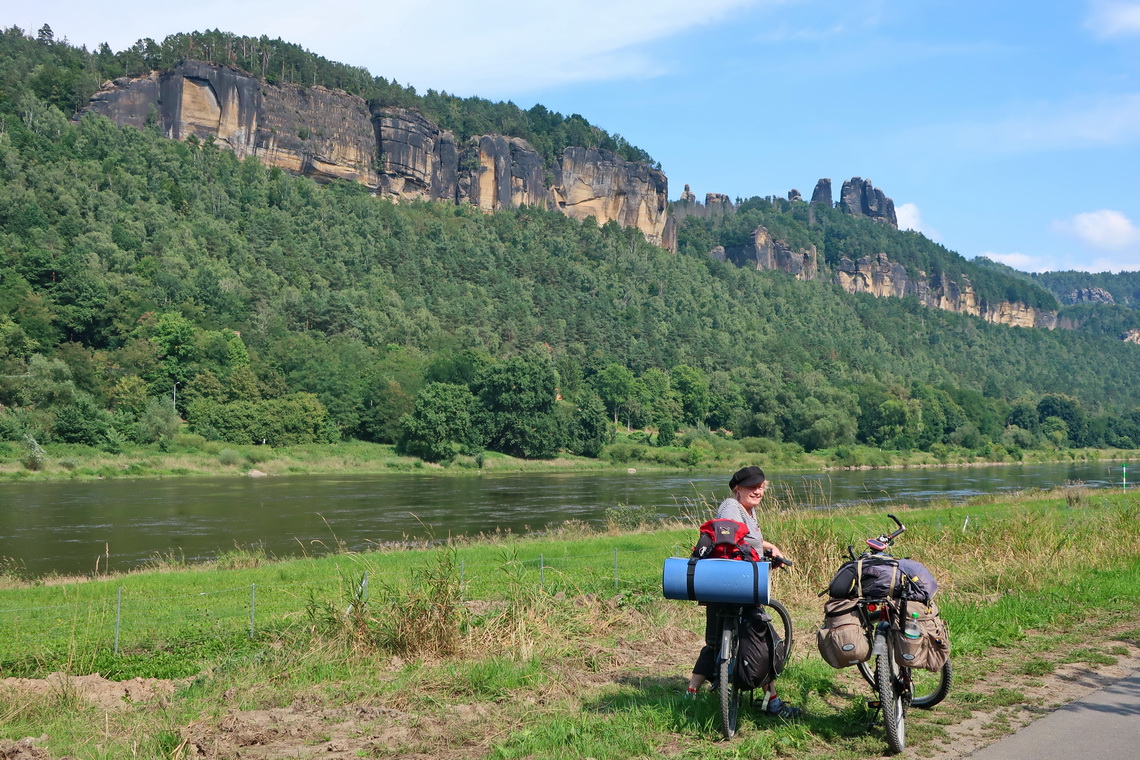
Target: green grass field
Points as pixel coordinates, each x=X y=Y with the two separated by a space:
x=540 y=647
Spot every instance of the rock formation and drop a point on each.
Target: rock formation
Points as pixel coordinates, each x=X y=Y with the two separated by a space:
x=1089 y=295
x=884 y=278
x=1132 y=336
x=860 y=198
x=396 y=152
x=599 y=183
x=716 y=204
x=794 y=195
x=822 y=193
x=763 y=252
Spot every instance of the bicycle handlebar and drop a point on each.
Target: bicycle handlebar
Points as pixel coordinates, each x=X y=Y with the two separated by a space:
x=881 y=543
x=777 y=562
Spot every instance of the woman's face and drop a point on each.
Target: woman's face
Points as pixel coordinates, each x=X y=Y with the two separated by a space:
x=750 y=496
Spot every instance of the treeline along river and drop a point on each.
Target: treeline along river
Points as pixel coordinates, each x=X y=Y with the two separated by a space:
x=64 y=527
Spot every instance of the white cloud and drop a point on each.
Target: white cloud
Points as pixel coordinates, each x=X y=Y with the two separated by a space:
x=1106 y=230
x=1022 y=261
x=1080 y=122
x=1114 y=19
x=910 y=218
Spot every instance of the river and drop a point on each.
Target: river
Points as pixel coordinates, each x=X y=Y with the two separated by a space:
x=65 y=527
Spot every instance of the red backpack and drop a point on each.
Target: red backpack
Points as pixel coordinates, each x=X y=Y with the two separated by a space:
x=722 y=538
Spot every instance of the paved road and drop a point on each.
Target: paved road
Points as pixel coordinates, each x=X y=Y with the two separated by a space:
x=1105 y=725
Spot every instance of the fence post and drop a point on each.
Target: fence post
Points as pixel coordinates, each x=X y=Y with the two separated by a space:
x=615 y=568
x=542 y=572
x=252 y=607
x=118 y=617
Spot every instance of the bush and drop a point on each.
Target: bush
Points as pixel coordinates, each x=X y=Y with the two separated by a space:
x=34 y=457
x=190 y=441
x=229 y=457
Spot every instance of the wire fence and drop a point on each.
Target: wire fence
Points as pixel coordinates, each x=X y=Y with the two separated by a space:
x=124 y=618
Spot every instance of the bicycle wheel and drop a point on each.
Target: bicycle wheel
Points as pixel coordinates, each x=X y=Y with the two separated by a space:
x=867 y=670
x=892 y=699
x=783 y=625
x=729 y=693
x=928 y=689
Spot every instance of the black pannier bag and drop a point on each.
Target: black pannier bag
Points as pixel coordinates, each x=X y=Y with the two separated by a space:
x=880 y=577
x=762 y=654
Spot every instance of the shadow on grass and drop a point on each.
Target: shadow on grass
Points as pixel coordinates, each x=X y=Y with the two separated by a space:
x=664 y=697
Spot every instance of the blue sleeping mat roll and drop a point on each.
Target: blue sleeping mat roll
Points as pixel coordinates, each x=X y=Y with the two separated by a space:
x=721 y=581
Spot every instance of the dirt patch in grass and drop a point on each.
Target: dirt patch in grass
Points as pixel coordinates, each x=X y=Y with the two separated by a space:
x=93 y=689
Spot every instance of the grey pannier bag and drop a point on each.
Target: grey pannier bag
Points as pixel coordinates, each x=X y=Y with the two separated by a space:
x=841 y=639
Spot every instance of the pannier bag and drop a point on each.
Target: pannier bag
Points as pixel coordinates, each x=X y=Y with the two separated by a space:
x=723 y=538
x=931 y=650
x=720 y=581
x=762 y=652
x=880 y=577
x=841 y=639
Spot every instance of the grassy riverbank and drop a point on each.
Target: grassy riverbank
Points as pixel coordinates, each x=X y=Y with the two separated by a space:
x=192 y=455
x=557 y=646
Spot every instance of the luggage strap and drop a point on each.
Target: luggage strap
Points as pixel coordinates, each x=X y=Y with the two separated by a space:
x=859 y=577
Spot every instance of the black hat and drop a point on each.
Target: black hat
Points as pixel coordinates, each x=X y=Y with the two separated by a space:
x=747 y=476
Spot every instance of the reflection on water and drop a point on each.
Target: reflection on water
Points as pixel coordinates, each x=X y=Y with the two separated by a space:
x=63 y=527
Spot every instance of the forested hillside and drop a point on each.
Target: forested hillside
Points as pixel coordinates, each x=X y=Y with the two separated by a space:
x=138 y=273
x=836 y=235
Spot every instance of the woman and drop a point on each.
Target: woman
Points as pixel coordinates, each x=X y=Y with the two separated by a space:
x=747 y=485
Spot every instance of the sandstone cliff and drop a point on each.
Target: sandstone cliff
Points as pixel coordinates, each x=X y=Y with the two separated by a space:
x=763 y=252
x=882 y=277
x=398 y=153
x=1089 y=295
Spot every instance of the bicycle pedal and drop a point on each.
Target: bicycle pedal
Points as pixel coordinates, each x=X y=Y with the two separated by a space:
x=874 y=704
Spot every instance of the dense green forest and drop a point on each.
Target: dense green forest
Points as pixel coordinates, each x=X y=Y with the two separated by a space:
x=144 y=281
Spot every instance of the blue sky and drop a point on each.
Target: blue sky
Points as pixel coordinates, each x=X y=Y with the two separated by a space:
x=1004 y=129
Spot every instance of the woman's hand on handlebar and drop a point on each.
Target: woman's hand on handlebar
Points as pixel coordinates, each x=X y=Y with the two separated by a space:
x=777 y=558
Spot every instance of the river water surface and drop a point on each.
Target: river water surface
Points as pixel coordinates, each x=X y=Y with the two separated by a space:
x=63 y=527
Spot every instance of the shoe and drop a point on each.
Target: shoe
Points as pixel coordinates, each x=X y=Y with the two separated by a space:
x=781 y=709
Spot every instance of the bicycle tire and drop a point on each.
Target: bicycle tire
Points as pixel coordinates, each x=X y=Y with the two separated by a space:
x=783 y=626
x=929 y=688
x=729 y=692
x=892 y=699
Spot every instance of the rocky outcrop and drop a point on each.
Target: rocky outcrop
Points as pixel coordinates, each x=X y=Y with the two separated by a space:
x=884 y=278
x=1132 y=336
x=860 y=198
x=766 y=253
x=822 y=193
x=716 y=204
x=599 y=183
x=398 y=153
x=794 y=195
x=322 y=133
x=1089 y=295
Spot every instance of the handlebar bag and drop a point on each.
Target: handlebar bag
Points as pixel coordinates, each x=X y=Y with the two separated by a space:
x=842 y=640
x=880 y=576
